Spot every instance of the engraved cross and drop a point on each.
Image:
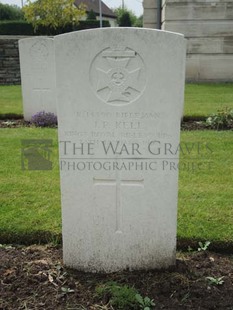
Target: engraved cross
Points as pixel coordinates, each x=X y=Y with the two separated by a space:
x=40 y=91
x=118 y=183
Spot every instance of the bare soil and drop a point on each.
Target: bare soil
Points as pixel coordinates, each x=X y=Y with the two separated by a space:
x=34 y=278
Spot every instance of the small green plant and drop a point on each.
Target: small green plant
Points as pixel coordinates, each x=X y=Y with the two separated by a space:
x=66 y=290
x=123 y=297
x=4 y=246
x=9 y=123
x=203 y=246
x=120 y=296
x=190 y=249
x=223 y=119
x=215 y=281
x=144 y=303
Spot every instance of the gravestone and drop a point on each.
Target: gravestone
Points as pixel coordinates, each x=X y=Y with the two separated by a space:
x=120 y=101
x=37 y=66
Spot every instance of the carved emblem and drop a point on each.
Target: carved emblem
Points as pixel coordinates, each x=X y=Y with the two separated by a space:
x=118 y=76
x=39 y=53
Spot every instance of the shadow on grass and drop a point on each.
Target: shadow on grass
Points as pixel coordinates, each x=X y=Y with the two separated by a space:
x=46 y=237
x=11 y=116
x=218 y=246
x=35 y=237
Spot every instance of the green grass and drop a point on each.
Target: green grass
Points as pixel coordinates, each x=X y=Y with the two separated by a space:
x=204 y=99
x=11 y=100
x=205 y=194
x=30 y=200
x=200 y=99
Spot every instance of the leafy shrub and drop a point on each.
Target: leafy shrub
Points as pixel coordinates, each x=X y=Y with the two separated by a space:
x=124 y=20
x=119 y=296
x=223 y=119
x=20 y=27
x=10 y=12
x=17 y=27
x=123 y=297
x=88 y=24
x=91 y=15
x=44 y=119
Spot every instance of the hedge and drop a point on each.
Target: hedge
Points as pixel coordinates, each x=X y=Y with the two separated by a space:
x=16 y=27
x=24 y=28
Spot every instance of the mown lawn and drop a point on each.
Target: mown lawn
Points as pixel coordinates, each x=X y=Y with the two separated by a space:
x=11 y=100
x=206 y=193
x=200 y=99
x=30 y=200
x=204 y=99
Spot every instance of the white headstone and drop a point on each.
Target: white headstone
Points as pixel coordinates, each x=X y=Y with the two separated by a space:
x=37 y=66
x=120 y=101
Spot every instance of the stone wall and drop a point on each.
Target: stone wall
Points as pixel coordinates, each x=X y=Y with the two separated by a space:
x=207 y=26
x=9 y=60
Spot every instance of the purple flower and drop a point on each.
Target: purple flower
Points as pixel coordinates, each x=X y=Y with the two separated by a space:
x=44 y=119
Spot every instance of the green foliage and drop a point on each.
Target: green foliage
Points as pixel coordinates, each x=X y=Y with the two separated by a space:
x=139 y=22
x=223 y=119
x=120 y=296
x=123 y=297
x=10 y=12
x=66 y=290
x=124 y=15
x=124 y=20
x=19 y=27
x=215 y=281
x=88 y=24
x=53 y=13
x=24 y=28
x=91 y=15
x=203 y=246
x=144 y=303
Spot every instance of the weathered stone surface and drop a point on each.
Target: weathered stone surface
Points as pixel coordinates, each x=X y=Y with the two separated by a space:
x=207 y=24
x=193 y=2
x=179 y=11
x=9 y=60
x=37 y=75
x=209 y=68
x=200 y=29
x=150 y=14
x=218 y=45
x=120 y=100
x=150 y=4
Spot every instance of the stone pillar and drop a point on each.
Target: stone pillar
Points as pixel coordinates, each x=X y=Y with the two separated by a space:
x=207 y=25
x=150 y=14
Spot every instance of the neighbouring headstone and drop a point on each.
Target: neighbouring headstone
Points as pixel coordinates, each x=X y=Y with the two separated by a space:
x=120 y=100
x=37 y=66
